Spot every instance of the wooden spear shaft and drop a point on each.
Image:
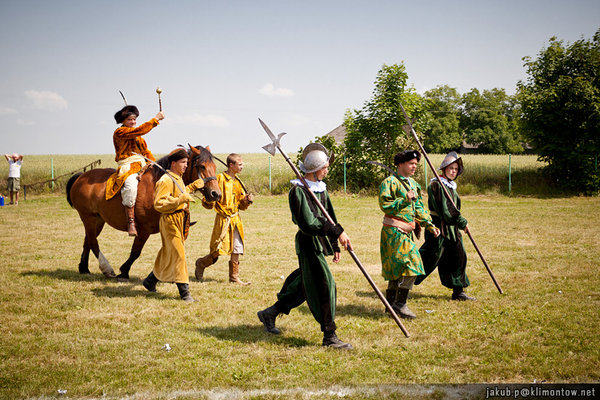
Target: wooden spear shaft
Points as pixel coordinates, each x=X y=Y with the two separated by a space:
x=412 y=130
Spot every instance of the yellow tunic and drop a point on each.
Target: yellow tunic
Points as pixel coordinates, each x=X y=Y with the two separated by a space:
x=170 y=264
x=227 y=218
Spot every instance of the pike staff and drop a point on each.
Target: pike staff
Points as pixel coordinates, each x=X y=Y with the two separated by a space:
x=408 y=128
x=271 y=148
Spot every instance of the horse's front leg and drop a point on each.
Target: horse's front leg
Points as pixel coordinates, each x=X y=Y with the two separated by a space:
x=136 y=250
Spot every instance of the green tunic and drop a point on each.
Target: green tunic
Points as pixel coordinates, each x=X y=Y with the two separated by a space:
x=446 y=252
x=399 y=254
x=312 y=281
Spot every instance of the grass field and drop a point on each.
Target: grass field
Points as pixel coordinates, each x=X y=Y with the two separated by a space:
x=97 y=338
x=484 y=174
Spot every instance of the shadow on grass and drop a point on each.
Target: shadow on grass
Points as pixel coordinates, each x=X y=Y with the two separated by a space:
x=412 y=295
x=70 y=275
x=113 y=288
x=252 y=334
x=355 y=310
x=130 y=290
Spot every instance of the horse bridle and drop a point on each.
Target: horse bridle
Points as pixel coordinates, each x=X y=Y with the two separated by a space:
x=202 y=149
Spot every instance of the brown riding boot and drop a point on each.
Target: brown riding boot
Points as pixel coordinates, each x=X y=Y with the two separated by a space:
x=234 y=273
x=202 y=263
x=130 y=221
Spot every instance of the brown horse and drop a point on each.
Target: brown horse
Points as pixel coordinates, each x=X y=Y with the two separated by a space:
x=86 y=193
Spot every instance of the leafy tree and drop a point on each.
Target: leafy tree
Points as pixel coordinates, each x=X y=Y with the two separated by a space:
x=443 y=106
x=488 y=121
x=560 y=106
x=375 y=131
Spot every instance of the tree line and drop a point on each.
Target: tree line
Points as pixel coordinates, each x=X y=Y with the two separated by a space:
x=556 y=111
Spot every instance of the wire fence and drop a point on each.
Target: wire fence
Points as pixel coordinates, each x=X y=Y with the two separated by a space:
x=53 y=180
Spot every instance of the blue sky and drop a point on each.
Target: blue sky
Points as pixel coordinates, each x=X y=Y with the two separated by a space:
x=298 y=65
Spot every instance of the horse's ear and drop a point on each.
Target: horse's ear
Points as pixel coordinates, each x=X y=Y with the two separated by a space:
x=207 y=148
x=194 y=150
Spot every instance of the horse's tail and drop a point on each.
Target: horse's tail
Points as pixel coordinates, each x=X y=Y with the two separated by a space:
x=70 y=185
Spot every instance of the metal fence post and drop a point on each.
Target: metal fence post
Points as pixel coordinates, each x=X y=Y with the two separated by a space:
x=270 y=191
x=344 y=173
x=52 y=172
x=509 y=173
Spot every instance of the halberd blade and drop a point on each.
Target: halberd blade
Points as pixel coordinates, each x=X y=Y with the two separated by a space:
x=270 y=148
x=266 y=128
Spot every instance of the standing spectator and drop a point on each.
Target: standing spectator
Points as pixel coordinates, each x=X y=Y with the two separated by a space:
x=228 y=232
x=14 y=176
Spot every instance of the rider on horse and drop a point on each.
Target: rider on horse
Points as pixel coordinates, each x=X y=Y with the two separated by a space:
x=128 y=140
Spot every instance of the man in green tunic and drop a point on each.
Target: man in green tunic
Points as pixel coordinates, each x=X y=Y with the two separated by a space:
x=446 y=252
x=400 y=200
x=316 y=238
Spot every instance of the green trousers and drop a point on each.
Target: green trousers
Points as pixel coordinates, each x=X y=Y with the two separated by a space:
x=448 y=257
x=313 y=283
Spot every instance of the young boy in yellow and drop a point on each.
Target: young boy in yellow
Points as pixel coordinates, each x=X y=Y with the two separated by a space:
x=228 y=231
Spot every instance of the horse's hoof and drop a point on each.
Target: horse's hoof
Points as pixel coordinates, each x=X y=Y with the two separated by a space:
x=122 y=278
x=110 y=274
x=84 y=271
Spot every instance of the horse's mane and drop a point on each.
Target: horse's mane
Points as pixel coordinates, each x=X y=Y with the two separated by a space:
x=201 y=158
x=157 y=172
x=204 y=155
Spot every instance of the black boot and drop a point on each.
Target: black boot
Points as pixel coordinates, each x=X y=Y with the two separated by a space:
x=390 y=296
x=400 y=305
x=184 y=292
x=267 y=317
x=459 y=294
x=330 y=339
x=150 y=282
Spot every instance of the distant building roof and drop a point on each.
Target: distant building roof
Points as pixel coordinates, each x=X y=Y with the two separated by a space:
x=339 y=134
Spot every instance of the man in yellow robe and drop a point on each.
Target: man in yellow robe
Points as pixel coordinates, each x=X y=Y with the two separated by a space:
x=173 y=205
x=228 y=232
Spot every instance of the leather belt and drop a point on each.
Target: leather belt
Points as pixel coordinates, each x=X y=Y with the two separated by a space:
x=395 y=222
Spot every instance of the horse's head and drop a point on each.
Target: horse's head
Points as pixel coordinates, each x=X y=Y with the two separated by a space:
x=201 y=165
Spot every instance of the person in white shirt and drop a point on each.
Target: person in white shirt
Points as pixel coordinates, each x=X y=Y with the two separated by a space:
x=14 y=176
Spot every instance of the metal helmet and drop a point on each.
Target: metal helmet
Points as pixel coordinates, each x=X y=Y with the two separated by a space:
x=452 y=158
x=314 y=157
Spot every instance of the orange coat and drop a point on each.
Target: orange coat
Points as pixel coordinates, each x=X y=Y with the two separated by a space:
x=128 y=141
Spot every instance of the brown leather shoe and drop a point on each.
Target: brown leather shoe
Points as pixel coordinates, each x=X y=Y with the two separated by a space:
x=202 y=263
x=234 y=274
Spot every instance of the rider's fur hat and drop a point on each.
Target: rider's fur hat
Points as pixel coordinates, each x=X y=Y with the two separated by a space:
x=452 y=158
x=177 y=155
x=405 y=156
x=314 y=157
x=125 y=112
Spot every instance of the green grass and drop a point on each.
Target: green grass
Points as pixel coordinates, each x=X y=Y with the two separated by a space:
x=95 y=337
x=484 y=174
